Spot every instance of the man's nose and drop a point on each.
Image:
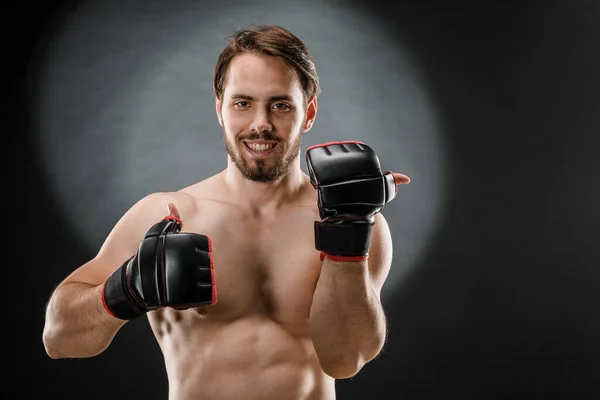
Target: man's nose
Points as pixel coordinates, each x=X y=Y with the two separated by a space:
x=261 y=121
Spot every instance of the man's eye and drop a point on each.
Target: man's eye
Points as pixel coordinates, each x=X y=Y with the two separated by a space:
x=242 y=104
x=281 y=106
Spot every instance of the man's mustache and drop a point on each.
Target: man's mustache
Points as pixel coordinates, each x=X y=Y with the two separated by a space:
x=261 y=136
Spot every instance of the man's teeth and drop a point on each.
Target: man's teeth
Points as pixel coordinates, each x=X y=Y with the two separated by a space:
x=260 y=147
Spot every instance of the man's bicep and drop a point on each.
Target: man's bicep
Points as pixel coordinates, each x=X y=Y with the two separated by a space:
x=123 y=240
x=380 y=253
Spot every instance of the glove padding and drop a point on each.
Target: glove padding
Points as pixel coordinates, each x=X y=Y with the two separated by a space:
x=351 y=190
x=170 y=269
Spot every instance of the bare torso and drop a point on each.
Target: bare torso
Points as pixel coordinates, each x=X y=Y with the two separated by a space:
x=255 y=342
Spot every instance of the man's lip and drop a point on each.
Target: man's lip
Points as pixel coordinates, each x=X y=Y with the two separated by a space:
x=260 y=141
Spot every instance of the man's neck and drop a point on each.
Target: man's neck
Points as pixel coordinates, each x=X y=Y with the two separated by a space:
x=265 y=197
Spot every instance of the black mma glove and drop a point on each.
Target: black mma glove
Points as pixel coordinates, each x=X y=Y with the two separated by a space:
x=351 y=189
x=170 y=269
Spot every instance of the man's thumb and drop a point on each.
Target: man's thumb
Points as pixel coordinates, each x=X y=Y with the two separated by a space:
x=173 y=211
x=400 y=179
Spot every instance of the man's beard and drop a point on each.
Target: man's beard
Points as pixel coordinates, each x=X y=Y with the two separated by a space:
x=257 y=169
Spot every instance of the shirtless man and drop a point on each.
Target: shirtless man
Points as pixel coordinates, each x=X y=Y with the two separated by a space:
x=251 y=286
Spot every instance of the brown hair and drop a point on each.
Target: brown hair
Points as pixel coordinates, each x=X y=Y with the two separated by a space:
x=273 y=41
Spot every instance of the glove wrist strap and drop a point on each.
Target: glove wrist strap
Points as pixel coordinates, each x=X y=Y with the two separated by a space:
x=117 y=296
x=343 y=240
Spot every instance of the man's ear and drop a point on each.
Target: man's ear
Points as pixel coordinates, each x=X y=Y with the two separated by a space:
x=311 y=114
x=218 y=107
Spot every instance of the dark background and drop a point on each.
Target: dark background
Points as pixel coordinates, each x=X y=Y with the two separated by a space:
x=506 y=302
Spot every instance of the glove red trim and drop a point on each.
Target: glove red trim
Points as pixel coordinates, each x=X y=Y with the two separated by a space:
x=332 y=143
x=212 y=273
x=173 y=218
x=104 y=302
x=346 y=259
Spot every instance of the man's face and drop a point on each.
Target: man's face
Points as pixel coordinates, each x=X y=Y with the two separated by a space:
x=263 y=116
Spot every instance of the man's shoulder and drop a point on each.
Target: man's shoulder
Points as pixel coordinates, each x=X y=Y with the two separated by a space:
x=190 y=192
x=201 y=190
x=183 y=198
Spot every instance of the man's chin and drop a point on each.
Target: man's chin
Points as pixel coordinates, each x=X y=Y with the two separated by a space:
x=261 y=176
x=260 y=170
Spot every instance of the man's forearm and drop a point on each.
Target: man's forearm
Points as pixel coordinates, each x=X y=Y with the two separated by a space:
x=77 y=325
x=347 y=321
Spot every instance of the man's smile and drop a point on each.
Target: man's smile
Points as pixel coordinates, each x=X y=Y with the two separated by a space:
x=260 y=148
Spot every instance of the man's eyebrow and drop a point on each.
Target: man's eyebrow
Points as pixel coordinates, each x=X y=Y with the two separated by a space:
x=271 y=98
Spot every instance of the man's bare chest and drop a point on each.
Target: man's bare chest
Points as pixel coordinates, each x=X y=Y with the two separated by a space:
x=266 y=266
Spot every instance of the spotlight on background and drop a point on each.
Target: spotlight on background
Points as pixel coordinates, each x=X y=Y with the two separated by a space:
x=126 y=107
